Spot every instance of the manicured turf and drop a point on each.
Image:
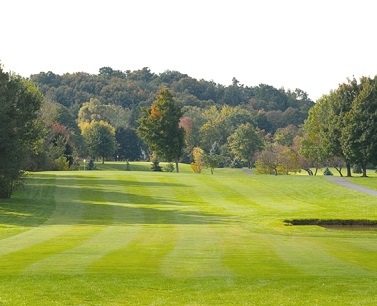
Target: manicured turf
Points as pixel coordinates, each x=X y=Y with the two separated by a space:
x=111 y=237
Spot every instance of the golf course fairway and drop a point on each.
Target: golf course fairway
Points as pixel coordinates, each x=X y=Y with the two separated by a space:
x=110 y=237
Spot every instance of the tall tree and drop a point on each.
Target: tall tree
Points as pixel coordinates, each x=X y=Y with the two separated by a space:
x=313 y=142
x=100 y=139
x=360 y=132
x=341 y=104
x=159 y=127
x=20 y=130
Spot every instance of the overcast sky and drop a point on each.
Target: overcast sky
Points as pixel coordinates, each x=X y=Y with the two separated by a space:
x=309 y=44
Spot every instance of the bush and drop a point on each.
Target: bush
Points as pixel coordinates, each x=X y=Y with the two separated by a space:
x=91 y=165
x=62 y=164
x=196 y=168
x=169 y=167
x=236 y=163
x=357 y=169
x=156 y=166
x=327 y=171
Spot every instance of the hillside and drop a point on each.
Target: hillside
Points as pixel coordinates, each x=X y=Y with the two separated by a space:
x=274 y=108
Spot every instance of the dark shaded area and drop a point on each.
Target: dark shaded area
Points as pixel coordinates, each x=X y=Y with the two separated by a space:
x=30 y=206
x=341 y=224
x=123 y=207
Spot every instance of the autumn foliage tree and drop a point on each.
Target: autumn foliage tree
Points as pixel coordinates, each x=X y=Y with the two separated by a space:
x=159 y=127
x=199 y=160
x=277 y=159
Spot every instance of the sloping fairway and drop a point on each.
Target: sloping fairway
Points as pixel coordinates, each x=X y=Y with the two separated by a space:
x=129 y=238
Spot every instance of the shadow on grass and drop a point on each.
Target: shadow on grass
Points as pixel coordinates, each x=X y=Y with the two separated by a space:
x=36 y=205
x=31 y=205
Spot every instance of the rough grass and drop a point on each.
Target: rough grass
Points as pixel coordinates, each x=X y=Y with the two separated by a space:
x=111 y=237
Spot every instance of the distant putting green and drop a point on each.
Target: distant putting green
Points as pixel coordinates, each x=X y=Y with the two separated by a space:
x=114 y=237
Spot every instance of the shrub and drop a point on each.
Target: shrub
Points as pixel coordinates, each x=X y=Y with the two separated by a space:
x=169 y=167
x=91 y=165
x=327 y=171
x=62 y=164
x=357 y=169
x=156 y=165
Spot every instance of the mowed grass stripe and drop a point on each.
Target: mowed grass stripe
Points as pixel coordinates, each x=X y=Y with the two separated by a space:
x=155 y=233
x=62 y=219
x=29 y=207
x=177 y=239
x=244 y=252
x=46 y=256
x=107 y=219
x=200 y=226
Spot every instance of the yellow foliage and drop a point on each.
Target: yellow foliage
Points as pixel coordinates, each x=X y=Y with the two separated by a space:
x=198 y=163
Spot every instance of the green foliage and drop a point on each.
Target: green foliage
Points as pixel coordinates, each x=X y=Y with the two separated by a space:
x=169 y=167
x=156 y=165
x=129 y=145
x=100 y=139
x=244 y=143
x=62 y=164
x=20 y=129
x=214 y=158
x=134 y=89
x=327 y=171
x=357 y=169
x=159 y=127
x=277 y=159
x=91 y=165
x=360 y=131
x=94 y=110
x=342 y=125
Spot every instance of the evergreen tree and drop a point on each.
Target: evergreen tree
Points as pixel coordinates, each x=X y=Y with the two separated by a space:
x=20 y=129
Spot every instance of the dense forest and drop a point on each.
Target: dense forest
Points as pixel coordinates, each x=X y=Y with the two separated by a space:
x=212 y=111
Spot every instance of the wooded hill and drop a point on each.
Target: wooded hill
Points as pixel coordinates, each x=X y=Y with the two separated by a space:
x=272 y=108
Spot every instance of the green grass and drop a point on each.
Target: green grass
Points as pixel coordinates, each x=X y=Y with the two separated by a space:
x=111 y=237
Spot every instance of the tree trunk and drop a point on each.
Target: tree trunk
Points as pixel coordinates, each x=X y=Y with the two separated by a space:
x=364 y=171
x=349 y=174
x=316 y=170
x=176 y=166
x=339 y=170
x=103 y=160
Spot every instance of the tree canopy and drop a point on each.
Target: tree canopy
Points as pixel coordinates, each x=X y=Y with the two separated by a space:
x=20 y=130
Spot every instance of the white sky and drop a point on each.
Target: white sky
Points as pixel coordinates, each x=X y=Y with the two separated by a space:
x=309 y=44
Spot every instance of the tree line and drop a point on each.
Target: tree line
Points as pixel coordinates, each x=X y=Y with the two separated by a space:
x=130 y=115
x=341 y=129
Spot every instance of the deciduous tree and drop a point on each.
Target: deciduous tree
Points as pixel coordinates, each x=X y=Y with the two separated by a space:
x=360 y=131
x=244 y=143
x=100 y=139
x=159 y=127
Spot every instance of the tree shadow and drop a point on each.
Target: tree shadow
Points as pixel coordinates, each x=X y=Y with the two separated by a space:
x=26 y=208
x=113 y=208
